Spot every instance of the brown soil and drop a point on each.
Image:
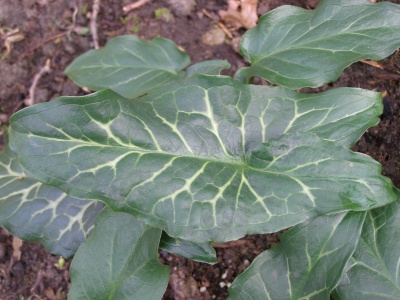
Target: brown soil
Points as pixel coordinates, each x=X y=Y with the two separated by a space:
x=50 y=33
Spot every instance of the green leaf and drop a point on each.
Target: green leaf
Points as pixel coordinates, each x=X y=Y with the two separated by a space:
x=307 y=264
x=179 y=158
x=119 y=261
x=129 y=66
x=298 y=48
x=40 y=213
x=374 y=270
x=202 y=252
x=208 y=67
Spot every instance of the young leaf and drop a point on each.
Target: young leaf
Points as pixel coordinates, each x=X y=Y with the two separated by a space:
x=374 y=270
x=178 y=158
x=307 y=264
x=202 y=252
x=40 y=213
x=119 y=261
x=208 y=67
x=298 y=48
x=129 y=66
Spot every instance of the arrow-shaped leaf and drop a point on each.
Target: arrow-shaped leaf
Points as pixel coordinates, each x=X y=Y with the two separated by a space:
x=307 y=264
x=40 y=213
x=119 y=261
x=129 y=66
x=374 y=270
x=296 y=48
x=179 y=157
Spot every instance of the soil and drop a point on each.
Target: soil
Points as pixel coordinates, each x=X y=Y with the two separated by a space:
x=56 y=30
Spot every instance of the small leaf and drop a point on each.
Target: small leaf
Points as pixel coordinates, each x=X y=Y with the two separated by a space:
x=307 y=264
x=374 y=270
x=40 y=213
x=208 y=67
x=119 y=261
x=129 y=66
x=202 y=252
x=298 y=48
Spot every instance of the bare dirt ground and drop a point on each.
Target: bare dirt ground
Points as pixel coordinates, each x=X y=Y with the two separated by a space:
x=56 y=31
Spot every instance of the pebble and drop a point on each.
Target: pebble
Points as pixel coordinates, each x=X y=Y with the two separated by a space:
x=214 y=37
x=203 y=289
x=246 y=262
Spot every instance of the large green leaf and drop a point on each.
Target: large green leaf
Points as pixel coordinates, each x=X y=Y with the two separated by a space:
x=180 y=157
x=129 y=66
x=40 y=213
x=307 y=264
x=296 y=48
x=202 y=252
x=119 y=261
x=374 y=270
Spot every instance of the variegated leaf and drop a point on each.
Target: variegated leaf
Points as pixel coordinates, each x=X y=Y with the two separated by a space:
x=37 y=212
x=181 y=158
x=306 y=265
x=119 y=261
x=373 y=272
x=296 y=48
x=208 y=67
x=129 y=66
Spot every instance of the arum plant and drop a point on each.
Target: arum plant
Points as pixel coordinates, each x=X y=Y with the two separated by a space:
x=166 y=157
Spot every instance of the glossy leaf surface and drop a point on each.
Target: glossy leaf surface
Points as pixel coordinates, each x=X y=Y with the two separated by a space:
x=307 y=264
x=129 y=66
x=181 y=158
x=119 y=261
x=40 y=213
x=208 y=67
x=373 y=272
x=298 y=48
x=202 y=252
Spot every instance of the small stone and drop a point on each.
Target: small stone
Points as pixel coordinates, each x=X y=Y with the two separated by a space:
x=203 y=289
x=246 y=262
x=214 y=37
x=224 y=275
x=222 y=284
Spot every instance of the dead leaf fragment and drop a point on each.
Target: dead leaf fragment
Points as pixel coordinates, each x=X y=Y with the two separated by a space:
x=16 y=244
x=240 y=13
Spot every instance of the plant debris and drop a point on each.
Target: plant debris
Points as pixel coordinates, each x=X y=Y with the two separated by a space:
x=182 y=8
x=240 y=13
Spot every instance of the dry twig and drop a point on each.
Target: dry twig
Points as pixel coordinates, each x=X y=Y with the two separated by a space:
x=135 y=5
x=16 y=245
x=45 y=69
x=220 y=24
x=93 y=23
x=38 y=281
